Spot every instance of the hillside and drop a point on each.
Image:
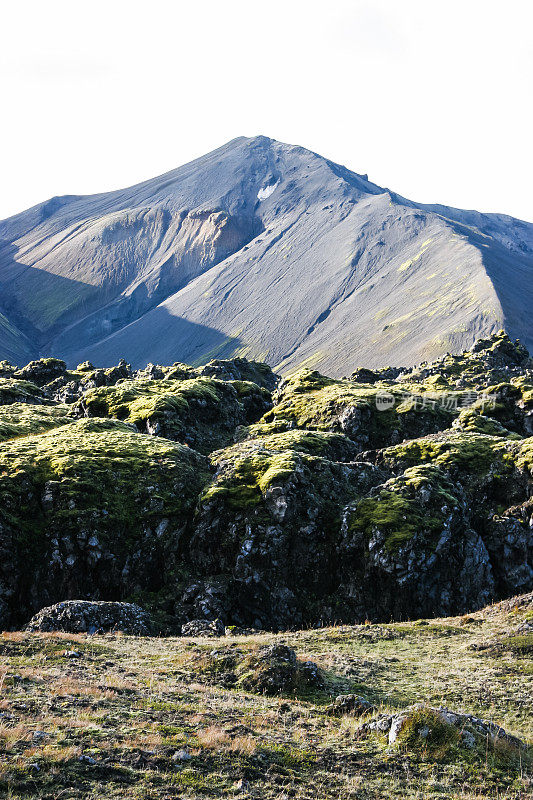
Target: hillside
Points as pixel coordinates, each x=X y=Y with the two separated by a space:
x=260 y=250
x=267 y=588
x=122 y=716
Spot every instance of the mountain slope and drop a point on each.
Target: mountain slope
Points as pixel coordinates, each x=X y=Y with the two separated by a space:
x=265 y=250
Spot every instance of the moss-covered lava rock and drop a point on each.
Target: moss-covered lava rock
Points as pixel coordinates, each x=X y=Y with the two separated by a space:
x=201 y=412
x=91 y=509
x=196 y=491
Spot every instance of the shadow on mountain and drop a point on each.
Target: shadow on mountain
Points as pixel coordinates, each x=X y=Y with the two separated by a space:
x=165 y=337
x=35 y=304
x=513 y=283
x=36 y=301
x=512 y=278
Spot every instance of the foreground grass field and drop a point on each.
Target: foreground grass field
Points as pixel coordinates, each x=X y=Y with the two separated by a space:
x=114 y=716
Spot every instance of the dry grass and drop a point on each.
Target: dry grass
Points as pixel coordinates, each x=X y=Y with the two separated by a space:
x=130 y=704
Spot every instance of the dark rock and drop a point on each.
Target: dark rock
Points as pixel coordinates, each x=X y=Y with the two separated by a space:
x=240 y=369
x=85 y=616
x=202 y=627
x=43 y=371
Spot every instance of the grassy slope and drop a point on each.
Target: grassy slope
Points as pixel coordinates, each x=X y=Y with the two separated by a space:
x=129 y=704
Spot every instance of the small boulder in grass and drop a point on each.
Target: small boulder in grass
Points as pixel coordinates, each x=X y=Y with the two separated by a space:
x=439 y=730
x=203 y=627
x=91 y=616
x=181 y=755
x=275 y=669
x=350 y=705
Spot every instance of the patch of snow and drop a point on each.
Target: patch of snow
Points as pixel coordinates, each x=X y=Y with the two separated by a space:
x=266 y=191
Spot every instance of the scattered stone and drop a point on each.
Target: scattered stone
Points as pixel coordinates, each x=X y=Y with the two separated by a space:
x=349 y=704
x=181 y=755
x=88 y=616
x=87 y=760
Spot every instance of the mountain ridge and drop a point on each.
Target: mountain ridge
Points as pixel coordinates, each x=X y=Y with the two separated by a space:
x=264 y=250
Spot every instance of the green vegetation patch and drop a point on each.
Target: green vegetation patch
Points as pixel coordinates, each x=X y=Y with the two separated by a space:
x=24 y=419
x=19 y=391
x=464 y=451
x=416 y=502
x=95 y=473
x=248 y=469
x=201 y=411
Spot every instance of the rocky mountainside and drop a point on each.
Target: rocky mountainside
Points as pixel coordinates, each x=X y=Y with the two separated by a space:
x=260 y=250
x=221 y=492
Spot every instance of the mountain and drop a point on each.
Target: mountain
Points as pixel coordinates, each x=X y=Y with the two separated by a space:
x=264 y=250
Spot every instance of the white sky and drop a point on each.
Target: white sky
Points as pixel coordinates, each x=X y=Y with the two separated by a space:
x=432 y=99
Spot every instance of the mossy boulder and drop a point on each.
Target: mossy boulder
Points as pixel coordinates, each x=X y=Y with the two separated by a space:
x=429 y=527
x=269 y=670
x=441 y=735
x=275 y=669
x=202 y=413
x=20 y=391
x=42 y=371
x=91 y=509
x=372 y=416
x=271 y=518
x=409 y=549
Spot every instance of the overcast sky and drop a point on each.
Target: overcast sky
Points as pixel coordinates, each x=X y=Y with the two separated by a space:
x=432 y=99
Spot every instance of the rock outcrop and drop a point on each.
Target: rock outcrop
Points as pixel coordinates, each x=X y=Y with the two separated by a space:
x=202 y=495
x=88 y=616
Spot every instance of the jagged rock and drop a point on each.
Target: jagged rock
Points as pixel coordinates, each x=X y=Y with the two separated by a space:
x=42 y=372
x=293 y=522
x=240 y=369
x=203 y=627
x=206 y=599
x=89 y=508
x=88 y=616
x=202 y=413
x=7 y=369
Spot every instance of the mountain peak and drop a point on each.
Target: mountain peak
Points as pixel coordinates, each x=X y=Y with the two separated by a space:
x=262 y=249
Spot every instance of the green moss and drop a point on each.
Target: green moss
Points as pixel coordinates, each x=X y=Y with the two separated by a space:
x=426 y=734
x=521 y=644
x=468 y=452
x=203 y=412
x=245 y=478
x=399 y=511
x=101 y=474
x=24 y=419
x=397 y=517
x=524 y=455
x=19 y=391
x=308 y=400
x=248 y=469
